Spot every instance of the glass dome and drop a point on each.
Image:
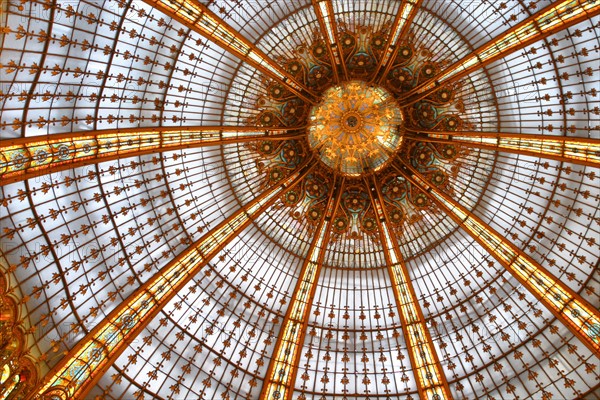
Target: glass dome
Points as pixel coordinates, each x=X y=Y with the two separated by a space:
x=300 y=199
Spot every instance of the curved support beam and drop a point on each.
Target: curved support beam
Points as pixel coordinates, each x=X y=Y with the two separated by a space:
x=579 y=316
x=548 y=21
x=326 y=17
x=78 y=371
x=577 y=150
x=283 y=367
x=398 y=31
x=431 y=381
x=200 y=19
x=34 y=156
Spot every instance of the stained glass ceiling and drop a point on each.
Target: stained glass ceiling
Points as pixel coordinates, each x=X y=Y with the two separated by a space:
x=171 y=229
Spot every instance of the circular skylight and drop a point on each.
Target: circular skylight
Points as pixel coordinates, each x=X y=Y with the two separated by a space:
x=356 y=128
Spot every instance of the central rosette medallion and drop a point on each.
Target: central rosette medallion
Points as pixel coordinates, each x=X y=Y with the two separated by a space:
x=356 y=128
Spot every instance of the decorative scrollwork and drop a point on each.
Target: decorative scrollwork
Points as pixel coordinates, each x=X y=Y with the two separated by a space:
x=18 y=374
x=340 y=130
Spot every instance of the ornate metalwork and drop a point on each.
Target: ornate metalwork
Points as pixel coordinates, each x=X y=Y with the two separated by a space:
x=354 y=132
x=357 y=127
x=397 y=32
x=200 y=18
x=36 y=156
x=576 y=313
x=283 y=366
x=79 y=370
x=577 y=150
x=326 y=18
x=553 y=18
x=18 y=373
x=432 y=382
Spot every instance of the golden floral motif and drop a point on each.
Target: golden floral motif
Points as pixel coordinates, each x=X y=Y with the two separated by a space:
x=356 y=128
